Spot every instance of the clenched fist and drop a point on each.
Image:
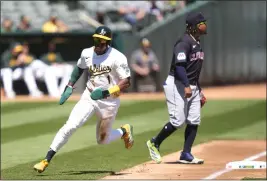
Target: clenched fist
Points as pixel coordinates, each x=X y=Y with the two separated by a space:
x=187 y=92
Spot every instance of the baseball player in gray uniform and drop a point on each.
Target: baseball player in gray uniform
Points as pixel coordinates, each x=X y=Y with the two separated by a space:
x=182 y=90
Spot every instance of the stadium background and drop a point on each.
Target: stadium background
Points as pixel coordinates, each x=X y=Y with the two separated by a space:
x=235 y=48
x=235 y=53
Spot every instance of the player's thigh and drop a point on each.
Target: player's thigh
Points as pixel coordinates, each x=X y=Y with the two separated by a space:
x=82 y=111
x=17 y=74
x=63 y=70
x=194 y=109
x=6 y=72
x=67 y=68
x=39 y=68
x=58 y=70
x=106 y=113
x=176 y=103
x=38 y=65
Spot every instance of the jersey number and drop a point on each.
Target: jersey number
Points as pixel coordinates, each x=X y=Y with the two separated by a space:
x=108 y=77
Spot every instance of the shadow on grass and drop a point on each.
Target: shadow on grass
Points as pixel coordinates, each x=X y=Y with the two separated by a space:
x=84 y=172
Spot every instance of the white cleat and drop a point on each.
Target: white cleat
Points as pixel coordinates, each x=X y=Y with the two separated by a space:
x=188 y=158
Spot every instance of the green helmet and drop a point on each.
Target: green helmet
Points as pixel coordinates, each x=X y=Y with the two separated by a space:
x=103 y=32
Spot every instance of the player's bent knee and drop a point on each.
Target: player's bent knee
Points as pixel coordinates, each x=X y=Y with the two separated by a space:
x=69 y=68
x=102 y=137
x=176 y=123
x=193 y=122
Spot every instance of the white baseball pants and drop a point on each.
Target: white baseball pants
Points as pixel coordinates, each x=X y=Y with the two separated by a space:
x=50 y=74
x=62 y=71
x=6 y=74
x=106 y=111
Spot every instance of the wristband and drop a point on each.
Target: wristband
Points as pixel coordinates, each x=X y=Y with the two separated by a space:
x=114 y=89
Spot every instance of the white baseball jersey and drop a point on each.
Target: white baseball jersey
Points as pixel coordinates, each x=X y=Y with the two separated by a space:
x=105 y=70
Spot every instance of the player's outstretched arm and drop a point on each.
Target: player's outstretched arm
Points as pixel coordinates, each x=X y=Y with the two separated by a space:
x=75 y=75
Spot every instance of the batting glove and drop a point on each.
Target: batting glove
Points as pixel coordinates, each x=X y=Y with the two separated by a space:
x=66 y=94
x=99 y=93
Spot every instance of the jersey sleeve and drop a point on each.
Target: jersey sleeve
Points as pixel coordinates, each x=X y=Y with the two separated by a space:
x=181 y=52
x=122 y=68
x=81 y=62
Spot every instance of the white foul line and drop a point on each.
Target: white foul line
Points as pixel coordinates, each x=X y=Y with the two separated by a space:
x=216 y=174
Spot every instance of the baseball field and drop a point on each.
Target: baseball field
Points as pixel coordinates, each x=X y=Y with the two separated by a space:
x=233 y=128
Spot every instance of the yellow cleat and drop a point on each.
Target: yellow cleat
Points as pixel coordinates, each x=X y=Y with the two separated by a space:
x=40 y=167
x=128 y=136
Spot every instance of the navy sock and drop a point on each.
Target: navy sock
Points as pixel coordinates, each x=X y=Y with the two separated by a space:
x=50 y=155
x=166 y=131
x=189 y=136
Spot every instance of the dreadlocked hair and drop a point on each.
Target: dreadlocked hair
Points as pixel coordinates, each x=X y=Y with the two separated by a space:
x=190 y=29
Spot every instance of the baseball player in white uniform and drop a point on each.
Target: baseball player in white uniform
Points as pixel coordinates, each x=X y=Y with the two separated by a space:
x=108 y=75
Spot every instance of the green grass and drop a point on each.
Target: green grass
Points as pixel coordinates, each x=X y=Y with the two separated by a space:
x=26 y=141
x=47 y=124
x=246 y=133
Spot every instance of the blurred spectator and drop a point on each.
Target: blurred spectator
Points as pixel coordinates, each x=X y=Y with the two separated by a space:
x=61 y=69
x=54 y=25
x=18 y=60
x=41 y=71
x=155 y=9
x=176 y=5
x=134 y=11
x=26 y=57
x=6 y=74
x=189 y=2
x=7 y=26
x=145 y=66
x=24 y=24
x=100 y=17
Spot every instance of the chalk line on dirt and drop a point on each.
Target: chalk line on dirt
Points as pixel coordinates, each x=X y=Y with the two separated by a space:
x=221 y=172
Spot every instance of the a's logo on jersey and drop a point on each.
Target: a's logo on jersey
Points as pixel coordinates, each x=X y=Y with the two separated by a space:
x=103 y=32
x=96 y=70
x=181 y=56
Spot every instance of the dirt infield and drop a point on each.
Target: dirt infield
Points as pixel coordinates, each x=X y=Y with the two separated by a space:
x=253 y=91
x=216 y=155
